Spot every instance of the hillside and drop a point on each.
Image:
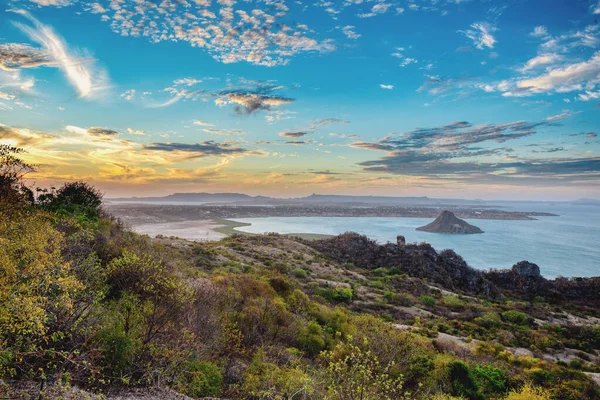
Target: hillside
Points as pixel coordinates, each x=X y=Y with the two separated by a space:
x=272 y=316
x=91 y=310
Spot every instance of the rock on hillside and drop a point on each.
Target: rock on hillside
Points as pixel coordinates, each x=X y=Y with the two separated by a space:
x=447 y=222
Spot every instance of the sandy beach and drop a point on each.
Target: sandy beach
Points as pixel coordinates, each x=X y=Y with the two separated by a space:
x=198 y=230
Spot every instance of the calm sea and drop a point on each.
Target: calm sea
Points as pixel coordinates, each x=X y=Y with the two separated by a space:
x=567 y=245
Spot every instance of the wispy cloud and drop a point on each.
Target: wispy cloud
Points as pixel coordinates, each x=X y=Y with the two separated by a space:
x=449 y=152
x=481 y=35
x=80 y=71
x=225 y=131
x=202 y=123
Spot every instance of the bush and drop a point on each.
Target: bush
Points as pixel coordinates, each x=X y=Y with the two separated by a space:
x=340 y=295
x=491 y=379
x=202 y=379
x=462 y=381
x=300 y=273
x=427 y=301
x=489 y=320
x=453 y=302
x=528 y=393
x=311 y=339
x=515 y=317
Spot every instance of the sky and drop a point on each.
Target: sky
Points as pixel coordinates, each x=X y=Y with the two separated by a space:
x=441 y=98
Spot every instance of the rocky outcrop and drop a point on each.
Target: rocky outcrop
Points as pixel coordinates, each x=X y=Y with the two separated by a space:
x=447 y=222
x=447 y=268
x=527 y=269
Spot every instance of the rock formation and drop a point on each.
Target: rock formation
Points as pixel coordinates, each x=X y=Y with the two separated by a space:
x=447 y=222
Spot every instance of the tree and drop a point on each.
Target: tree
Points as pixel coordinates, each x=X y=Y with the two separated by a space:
x=36 y=288
x=79 y=194
x=12 y=171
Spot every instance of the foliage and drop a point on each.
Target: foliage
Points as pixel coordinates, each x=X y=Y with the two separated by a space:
x=529 y=393
x=37 y=288
x=427 y=301
x=352 y=373
x=462 y=381
x=201 y=379
x=515 y=317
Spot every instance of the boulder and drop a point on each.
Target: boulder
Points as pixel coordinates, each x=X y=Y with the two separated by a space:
x=527 y=269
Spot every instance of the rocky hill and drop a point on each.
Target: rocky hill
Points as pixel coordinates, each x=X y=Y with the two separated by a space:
x=447 y=222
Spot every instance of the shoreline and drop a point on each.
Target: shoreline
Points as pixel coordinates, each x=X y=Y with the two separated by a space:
x=165 y=212
x=204 y=230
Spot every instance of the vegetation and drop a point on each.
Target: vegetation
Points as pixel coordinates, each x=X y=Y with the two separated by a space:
x=86 y=303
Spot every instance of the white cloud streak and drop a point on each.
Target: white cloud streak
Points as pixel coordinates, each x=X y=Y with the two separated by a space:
x=79 y=71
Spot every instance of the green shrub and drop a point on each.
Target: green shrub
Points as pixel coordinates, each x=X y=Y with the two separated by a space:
x=340 y=295
x=462 y=381
x=427 y=301
x=300 y=273
x=311 y=339
x=576 y=364
x=453 y=302
x=491 y=379
x=489 y=320
x=202 y=379
x=117 y=349
x=515 y=317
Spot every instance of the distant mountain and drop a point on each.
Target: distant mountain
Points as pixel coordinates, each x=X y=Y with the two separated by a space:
x=447 y=222
x=196 y=198
x=313 y=198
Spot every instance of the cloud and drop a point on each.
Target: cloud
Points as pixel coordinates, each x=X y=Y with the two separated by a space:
x=542 y=59
x=225 y=131
x=14 y=56
x=448 y=153
x=563 y=79
x=589 y=135
x=563 y=115
x=323 y=122
x=23 y=137
x=453 y=137
x=198 y=150
x=128 y=95
x=481 y=35
x=94 y=131
x=56 y=3
x=6 y=96
x=202 y=123
x=379 y=8
x=135 y=132
x=348 y=30
x=589 y=95
x=293 y=135
x=388 y=87
x=539 y=31
x=228 y=31
x=252 y=101
x=187 y=81
x=79 y=71
x=408 y=61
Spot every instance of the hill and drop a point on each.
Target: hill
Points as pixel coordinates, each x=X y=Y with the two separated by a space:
x=448 y=223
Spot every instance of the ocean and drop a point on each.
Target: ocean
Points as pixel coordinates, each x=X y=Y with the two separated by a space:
x=566 y=245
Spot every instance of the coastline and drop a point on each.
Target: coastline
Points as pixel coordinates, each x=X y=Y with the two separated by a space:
x=205 y=230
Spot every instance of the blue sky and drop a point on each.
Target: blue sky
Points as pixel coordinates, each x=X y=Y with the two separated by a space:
x=441 y=98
